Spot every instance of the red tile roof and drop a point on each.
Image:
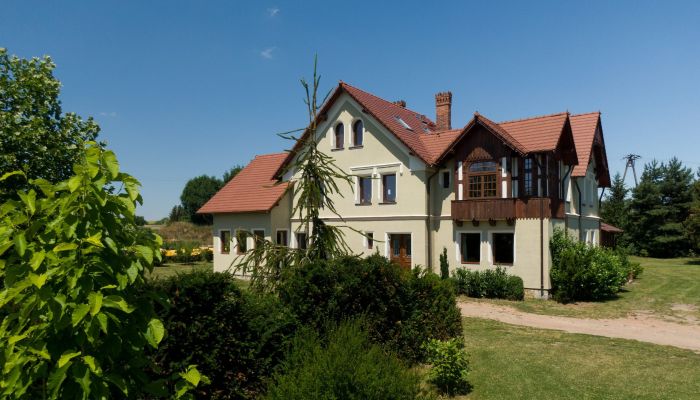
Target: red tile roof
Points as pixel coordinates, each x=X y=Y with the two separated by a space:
x=420 y=135
x=537 y=133
x=390 y=114
x=609 y=228
x=584 y=127
x=254 y=189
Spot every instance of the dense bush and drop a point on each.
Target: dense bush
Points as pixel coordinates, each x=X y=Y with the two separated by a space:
x=235 y=338
x=444 y=264
x=403 y=309
x=450 y=365
x=583 y=272
x=490 y=283
x=344 y=366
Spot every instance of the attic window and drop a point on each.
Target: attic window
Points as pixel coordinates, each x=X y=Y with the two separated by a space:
x=403 y=123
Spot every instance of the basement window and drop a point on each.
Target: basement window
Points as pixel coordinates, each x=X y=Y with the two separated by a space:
x=503 y=248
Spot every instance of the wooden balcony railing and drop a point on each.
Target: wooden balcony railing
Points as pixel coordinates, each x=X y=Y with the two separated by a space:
x=504 y=209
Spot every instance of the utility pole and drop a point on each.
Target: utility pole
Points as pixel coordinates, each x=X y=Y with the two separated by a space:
x=631 y=158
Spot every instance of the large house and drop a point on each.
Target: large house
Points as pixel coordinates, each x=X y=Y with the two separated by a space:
x=491 y=193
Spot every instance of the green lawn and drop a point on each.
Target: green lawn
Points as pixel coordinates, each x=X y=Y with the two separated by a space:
x=668 y=288
x=168 y=270
x=512 y=362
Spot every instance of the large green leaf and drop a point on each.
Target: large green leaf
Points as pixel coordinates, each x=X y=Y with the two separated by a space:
x=20 y=243
x=67 y=356
x=79 y=313
x=95 y=301
x=110 y=162
x=155 y=332
x=114 y=301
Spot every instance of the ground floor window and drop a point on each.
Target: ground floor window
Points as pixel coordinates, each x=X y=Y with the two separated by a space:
x=370 y=240
x=470 y=247
x=301 y=240
x=259 y=237
x=282 y=238
x=242 y=240
x=225 y=237
x=503 y=248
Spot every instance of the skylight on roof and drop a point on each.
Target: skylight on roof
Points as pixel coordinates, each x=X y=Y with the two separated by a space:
x=403 y=123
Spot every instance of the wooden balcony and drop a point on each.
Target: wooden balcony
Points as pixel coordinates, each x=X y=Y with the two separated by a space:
x=506 y=209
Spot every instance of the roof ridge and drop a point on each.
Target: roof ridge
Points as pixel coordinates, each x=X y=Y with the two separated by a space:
x=387 y=101
x=270 y=154
x=535 y=117
x=588 y=113
x=502 y=131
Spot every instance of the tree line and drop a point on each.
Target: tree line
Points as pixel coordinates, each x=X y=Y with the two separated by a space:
x=661 y=216
x=196 y=192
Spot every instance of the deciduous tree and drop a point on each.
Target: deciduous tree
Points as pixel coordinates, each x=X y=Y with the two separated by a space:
x=36 y=136
x=198 y=191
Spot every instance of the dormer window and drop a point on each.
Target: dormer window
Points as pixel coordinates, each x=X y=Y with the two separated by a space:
x=339 y=136
x=357 y=133
x=483 y=179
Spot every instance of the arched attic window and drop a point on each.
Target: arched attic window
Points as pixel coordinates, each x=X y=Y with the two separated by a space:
x=357 y=133
x=339 y=135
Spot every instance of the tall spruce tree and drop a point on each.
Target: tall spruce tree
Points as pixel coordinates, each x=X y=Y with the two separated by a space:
x=614 y=207
x=692 y=223
x=659 y=207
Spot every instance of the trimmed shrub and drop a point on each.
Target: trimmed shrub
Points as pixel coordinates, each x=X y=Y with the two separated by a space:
x=402 y=308
x=490 y=283
x=235 y=338
x=450 y=365
x=444 y=264
x=582 y=272
x=345 y=366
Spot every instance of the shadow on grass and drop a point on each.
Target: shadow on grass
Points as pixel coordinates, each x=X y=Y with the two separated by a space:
x=693 y=262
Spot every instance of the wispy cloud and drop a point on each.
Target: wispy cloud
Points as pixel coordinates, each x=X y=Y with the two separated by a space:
x=108 y=113
x=267 y=53
x=272 y=12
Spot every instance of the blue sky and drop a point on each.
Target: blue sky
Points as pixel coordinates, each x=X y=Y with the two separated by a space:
x=184 y=88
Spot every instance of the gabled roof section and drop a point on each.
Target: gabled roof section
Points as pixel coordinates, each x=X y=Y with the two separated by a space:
x=254 y=189
x=390 y=115
x=537 y=134
x=584 y=127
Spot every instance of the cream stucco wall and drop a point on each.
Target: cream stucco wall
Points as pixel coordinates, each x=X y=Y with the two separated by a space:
x=527 y=247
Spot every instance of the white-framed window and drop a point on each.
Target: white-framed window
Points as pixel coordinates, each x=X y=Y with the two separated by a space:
x=358 y=133
x=445 y=178
x=502 y=246
x=282 y=237
x=339 y=136
x=468 y=245
x=369 y=240
x=364 y=190
x=225 y=241
x=389 y=188
x=241 y=241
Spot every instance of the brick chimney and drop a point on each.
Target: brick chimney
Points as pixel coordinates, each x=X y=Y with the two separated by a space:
x=443 y=110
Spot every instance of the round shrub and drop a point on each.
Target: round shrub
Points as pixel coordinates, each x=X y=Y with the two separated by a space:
x=235 y=338
x=450 y=365
x=490 y=283
x=344 y=366
x=402 y=308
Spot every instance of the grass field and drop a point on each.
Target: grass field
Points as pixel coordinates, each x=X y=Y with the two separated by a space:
x=168 y=270
x=512 y=362
x=668 y=288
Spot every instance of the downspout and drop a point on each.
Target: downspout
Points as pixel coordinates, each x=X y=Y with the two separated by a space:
x=429 y=214
x=579 y=210
x=540 y=169
x=564 y=194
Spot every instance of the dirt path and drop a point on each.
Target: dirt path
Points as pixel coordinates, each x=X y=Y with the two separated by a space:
x=642 y=328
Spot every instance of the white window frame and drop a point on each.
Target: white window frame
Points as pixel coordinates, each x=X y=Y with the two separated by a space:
x=515 y=246
x=365 y=240
x=288 y=238
x=352 y=128
x=380 y=192
x=251 y=239
x=220 y=244
x=334 y=143
x=458 y=244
